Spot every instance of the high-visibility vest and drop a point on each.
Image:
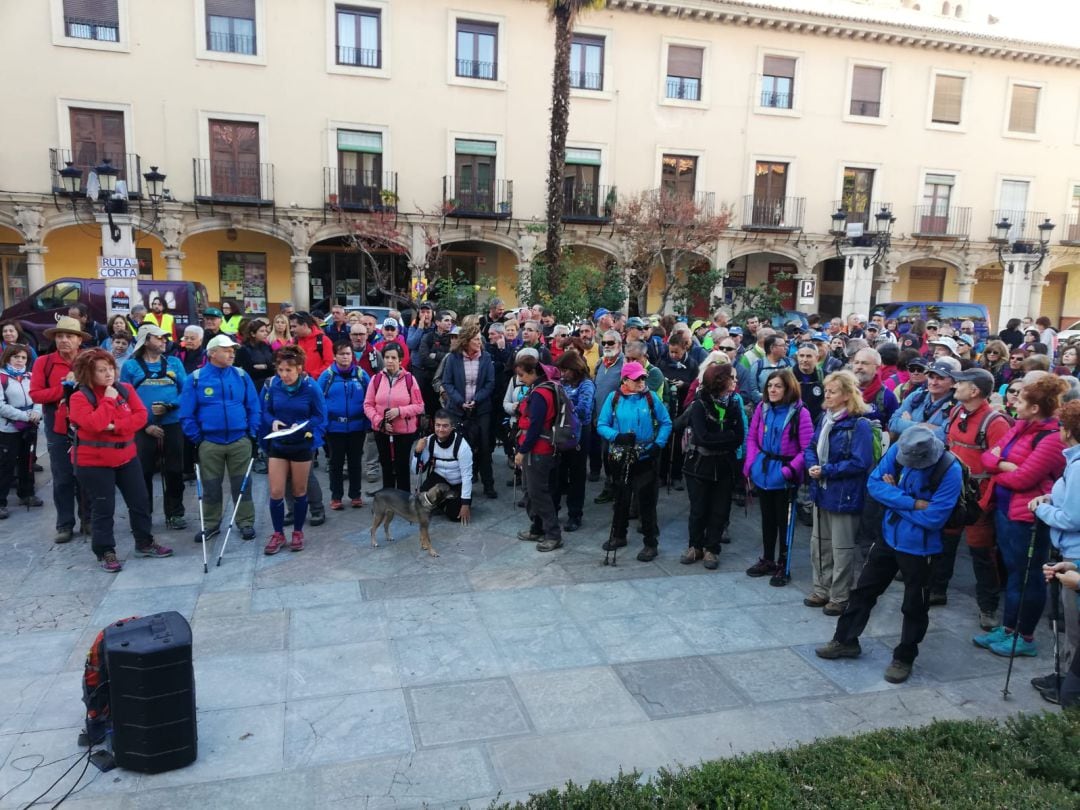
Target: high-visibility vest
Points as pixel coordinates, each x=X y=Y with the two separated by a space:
x=164 y=321
x=231 y=325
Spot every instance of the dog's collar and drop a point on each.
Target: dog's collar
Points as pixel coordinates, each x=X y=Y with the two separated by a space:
x=425 y=501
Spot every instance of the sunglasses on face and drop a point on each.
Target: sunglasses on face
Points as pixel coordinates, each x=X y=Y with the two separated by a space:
x=991 y=351
x=917 y=370
x=608 y=343
x=728 y=348
x=1016 y=358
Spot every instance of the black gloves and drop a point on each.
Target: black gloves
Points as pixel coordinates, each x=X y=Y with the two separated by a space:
x=626 y=439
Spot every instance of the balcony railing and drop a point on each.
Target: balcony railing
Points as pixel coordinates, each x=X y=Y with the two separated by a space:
x=1070 y=233
x=867 y=109
x=862 y=212
x=80 y=28
x=684 y=88
x=676 y=206
x=590 y=204
x=472 y=69
x=232 y=182
x=357 y=190
x=586 y=81
x=932 y=221
x=223 y=42
x=773 y=213
x=1025 y=224
x=130 y=166
x=359 y=57
x=779 y=101
x=465 y=197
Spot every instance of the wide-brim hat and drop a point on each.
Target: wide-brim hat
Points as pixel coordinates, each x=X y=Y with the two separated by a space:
x=66 y=325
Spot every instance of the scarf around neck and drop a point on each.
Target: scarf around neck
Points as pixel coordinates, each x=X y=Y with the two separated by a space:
x=827 y=421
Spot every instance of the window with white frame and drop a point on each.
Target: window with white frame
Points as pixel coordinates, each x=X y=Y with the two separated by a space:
x=778 y=82
x=360 y=169
x=866 y=87
x=230 y=27
x=581 y=184
x=477 y=50
x=92 y=19
x=587 y=62
x=684 y=68
x=1072 y=226
x=948 y=99
x=1024 y=108
x=937 y=198
x=359 y=36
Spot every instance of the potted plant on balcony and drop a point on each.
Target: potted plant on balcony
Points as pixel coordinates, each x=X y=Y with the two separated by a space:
x=389 y=198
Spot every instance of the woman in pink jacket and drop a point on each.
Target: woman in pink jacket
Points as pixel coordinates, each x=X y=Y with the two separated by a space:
x=1023 y=465
x=393 y=404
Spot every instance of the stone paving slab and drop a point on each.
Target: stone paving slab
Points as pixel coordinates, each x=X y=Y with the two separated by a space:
x=349 y=677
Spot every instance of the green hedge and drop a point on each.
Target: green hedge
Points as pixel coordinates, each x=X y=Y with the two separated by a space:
x=1028 y=762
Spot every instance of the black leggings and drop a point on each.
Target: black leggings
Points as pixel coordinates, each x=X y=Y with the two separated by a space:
x=775 y=504
x=395 y=457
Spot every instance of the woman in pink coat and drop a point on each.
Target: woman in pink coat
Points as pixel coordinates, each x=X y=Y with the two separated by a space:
x=393 y=404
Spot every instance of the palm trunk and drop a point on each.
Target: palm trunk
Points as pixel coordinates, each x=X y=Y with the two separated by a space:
x=560 y=122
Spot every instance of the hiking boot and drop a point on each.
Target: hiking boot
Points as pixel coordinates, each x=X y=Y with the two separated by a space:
x=357 y=503
x=816 y=601
x=1024 y=647
x=489 y=492
x=175 y=523
x=572 y=525
x=153 y=550
x=779 y=579
x=648 y=554
x=530 y=535
x=690 y=556
x=63 y=535
x=834 y=649
x=549 y=545
x=938 y=600
x=1051 y=695
x=614 y=543
x=4 y=514
x=336 y=505
x=247 y=533
x=318 y=517
x=605 y=496
x=761 y=568
x=834 y=608
x=898 y=671
x=988 y=621
x=297 y=542
x=110 y=564
x=208 y=535
x=1046 y=682
x=995 y=635
x=711 y=561
x=276 y=544
x=31 y=500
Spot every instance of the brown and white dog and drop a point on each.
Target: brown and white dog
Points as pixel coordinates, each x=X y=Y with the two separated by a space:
x=414 y=508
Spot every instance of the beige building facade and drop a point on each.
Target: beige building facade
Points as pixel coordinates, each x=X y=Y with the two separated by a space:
x=285 y=126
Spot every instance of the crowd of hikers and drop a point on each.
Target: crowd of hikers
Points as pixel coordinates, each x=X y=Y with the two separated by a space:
x=895 y=441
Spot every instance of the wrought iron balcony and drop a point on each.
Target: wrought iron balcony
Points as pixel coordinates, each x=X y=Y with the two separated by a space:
x=684 y=88
x=225 y=42
x=359 y=57
x=862 y=212
x=935 y=222
x=473 y=69
x=677 y=206
x=783 y=214
x=580 y=80
x=83 y=28
x=357 y=190
x=1070 y=234
x=777 y=101
x=233 y=182
x=129 y=164
x=466 y=197
x=590 y=204
x=1024 y=225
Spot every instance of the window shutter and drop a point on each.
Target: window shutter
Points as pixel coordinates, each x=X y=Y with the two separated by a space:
x=948 y=98
x=782 y=67
x=1024 y=108
x=464 y=147
x=583 y=157
x=245 y=9
x=941 y=180
x=684 y=62
x=102 y=12
x=350 y=141
x=866 y=84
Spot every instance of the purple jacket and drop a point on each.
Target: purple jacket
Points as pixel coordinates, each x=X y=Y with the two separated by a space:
x=791 y=447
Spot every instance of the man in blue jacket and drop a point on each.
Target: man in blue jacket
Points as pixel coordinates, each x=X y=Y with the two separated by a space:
x=219 y=413
x=634 y=417
x=915 y=514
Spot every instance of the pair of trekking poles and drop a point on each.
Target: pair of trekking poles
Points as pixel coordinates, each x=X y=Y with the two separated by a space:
x=1054 y=616
x=232 y=520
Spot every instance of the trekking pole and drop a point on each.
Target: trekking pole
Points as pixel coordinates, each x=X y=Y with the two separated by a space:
x=236 y=508
x=202 y=520
x=1055 y=617
x=1023 y=591
x=790 y=533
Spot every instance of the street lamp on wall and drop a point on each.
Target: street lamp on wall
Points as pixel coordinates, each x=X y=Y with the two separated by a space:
x=853 y=242
x=104 y=180
x=1022 y=251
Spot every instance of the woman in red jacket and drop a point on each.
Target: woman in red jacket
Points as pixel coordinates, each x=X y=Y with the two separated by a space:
x=1023 y=465
x=105 y=419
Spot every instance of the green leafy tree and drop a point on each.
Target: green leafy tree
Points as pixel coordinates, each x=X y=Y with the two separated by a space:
x=762 y=301
x=585 y=286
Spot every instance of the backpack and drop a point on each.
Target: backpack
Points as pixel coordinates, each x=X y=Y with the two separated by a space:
x=96 y=687
x=408 y=383
x=330 y=380
x=431 y=443
x=565 y=428
x=967 y=510
x=160 y=374
x=980 y=435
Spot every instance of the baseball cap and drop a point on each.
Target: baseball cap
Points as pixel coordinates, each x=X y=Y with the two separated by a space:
x=820 y=336
x=734 y=330
x=145 y=331
x=454 y=331
x=982 y=378
x=919 y=362
x=945 y=341
x=213 y=312
x=600 y=313
x=221 y=342
x=944 y=367
x=697 y=325
x=873 y=327
x=635 y=323
x=933 y=325
x=389 y=323
x=968 y=339
x=877 y=312
x=633 y=371
x=426 y=305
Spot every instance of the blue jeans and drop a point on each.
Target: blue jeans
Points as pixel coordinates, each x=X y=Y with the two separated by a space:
x=1013 y=539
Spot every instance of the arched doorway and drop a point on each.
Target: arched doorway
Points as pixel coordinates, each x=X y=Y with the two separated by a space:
x=752 y=269
x=487 y=269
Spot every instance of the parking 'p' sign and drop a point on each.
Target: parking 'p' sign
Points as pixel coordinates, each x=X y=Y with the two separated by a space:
x=118 y=267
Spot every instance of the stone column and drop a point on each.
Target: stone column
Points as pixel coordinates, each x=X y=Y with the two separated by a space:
x=174 y=271
x=35 y=264
x=301 y=281
x=807 y=291
x=965 y=284
x=1038 y=281
x=524 y=271
x=1015 y=287
x=858 y=280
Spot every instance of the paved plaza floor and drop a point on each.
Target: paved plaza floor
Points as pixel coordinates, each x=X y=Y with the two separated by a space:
x=346 y=676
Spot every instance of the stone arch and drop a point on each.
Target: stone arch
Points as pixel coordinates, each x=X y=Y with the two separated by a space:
x=205 y=225
x=601 y=244
x=339 y=230
x=785 y=250
x=502 y=240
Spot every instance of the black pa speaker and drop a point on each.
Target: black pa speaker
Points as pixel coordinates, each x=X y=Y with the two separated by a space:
x=152 y=692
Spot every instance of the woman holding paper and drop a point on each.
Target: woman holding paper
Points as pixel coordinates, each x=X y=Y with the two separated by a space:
x=293 y=423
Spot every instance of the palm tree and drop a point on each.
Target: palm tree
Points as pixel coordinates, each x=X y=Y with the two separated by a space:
x=564 y=13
